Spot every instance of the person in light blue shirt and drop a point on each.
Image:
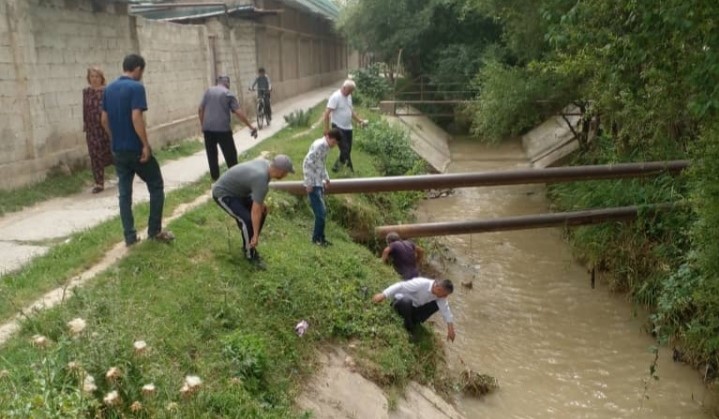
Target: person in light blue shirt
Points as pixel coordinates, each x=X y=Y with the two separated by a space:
x=316 y=179
x=417 y=299
x=123 y=104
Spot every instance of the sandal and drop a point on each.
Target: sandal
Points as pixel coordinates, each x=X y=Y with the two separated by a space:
x=97 y=189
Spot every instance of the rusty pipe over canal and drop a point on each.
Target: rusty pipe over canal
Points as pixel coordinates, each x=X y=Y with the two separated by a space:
x=524 y=222
x=493 y=178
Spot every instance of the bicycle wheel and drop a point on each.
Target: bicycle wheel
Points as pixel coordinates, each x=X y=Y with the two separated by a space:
x=267 y=114
x=260 y=115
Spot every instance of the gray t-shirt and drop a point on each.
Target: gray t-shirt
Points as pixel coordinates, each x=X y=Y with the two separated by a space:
x=219 y=103
x=248 y=179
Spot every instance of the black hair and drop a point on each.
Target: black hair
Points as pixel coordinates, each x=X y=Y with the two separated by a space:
x=446 y=285
x=133 y=61
x=335 y=133
x=261 y=70
x=393 y=237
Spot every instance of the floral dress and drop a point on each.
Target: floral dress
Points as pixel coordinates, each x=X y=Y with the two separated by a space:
x=98 y=142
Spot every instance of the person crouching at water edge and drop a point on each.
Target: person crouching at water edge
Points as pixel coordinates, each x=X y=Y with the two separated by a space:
x=417 y=299
x=241 y=192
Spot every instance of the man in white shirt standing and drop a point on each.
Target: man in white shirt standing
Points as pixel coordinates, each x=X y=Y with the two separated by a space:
x=316 y=179
x=417 y=299
x=340 y=114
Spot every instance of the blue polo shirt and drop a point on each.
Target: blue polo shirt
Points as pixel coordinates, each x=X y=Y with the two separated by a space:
x=121 y=97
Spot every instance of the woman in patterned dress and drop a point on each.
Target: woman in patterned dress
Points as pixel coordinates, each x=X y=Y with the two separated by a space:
x=98 y=142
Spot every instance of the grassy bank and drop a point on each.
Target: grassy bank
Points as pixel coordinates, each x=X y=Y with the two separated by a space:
x=203 y=311
x=78 y=253
x=60 y=184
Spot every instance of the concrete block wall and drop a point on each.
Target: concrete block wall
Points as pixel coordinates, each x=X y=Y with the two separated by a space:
x=47 y=45
x=301 y=52
x=48 y=48
x=175 y=77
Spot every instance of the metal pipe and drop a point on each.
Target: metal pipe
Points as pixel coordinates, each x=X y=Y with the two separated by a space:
x=524 y=222
x=494 y=178
x=138 y=8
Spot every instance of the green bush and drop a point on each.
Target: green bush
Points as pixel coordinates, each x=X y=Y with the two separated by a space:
x=299 y=119
x=390 y=146
x=371 y=86
x=514 y=99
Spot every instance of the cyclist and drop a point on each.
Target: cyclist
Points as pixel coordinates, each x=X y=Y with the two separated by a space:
x=264 y=87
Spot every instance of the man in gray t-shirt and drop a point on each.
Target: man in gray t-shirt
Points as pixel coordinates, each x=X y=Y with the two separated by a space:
x=241 y=192
x=215 y=112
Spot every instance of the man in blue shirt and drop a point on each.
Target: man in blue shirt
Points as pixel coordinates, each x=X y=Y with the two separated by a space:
x=123 y=104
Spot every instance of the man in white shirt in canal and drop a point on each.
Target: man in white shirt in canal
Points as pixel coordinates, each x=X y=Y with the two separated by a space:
x=340 y=114
x=417 y=299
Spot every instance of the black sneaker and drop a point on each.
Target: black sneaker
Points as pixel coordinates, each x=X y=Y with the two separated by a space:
x=322 y=243
x=257 y=262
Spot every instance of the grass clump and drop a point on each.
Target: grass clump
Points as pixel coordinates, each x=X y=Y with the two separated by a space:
x=299 y=118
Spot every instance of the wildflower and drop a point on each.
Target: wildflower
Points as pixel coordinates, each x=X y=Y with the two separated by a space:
x=88 y=384
x=148 y=389
x=135 y=407
x=193 y=381
x=140 y=347
x=76 y=326
x=4 y=373
x=112 y=398
x=113 y=374
x=40 y=341
x=171 y=407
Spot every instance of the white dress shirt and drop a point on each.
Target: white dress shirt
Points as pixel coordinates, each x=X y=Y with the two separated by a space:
x=419 y=291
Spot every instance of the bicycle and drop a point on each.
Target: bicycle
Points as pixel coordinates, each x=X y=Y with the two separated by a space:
x=262 y=115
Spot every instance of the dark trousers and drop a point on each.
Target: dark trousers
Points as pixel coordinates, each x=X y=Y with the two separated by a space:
x=229 y=151
x=413 y=316
x=345 y=146
x=317 y=203
x=127 y=164
x=241 y=210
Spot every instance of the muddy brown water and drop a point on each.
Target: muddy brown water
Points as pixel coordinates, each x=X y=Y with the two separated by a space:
x=559 y=348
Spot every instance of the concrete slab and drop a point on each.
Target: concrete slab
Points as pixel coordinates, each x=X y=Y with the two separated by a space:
x=552 y=142
x=429 y=140
x=60 y=217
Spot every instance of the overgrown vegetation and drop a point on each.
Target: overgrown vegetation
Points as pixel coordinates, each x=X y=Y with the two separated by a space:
x=219 y=336
x=391 y=147
x=299 y=118
x=643 y=77
x=372 y=87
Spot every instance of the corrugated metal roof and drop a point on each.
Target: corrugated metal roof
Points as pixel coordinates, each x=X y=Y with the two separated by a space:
x=155 y=11
x=199 y=12
x=325 y=8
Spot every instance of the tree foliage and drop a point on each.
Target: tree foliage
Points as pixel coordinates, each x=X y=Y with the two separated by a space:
x=645 y=76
